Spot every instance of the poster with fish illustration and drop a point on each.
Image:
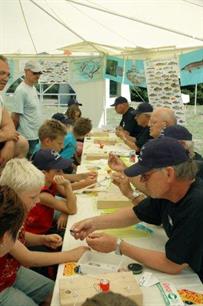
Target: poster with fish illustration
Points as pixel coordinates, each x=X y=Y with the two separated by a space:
x=114 y=69
x=55 y=71
x=86 y=69
x=163 y=85
x=191 y=68
x=134 y=73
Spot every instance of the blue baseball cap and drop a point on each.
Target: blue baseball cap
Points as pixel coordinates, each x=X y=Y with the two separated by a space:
x=119 y=100
x=178 y=132
x=142 y=108
x=62 y=118
x=158 y=153
x=47 y=159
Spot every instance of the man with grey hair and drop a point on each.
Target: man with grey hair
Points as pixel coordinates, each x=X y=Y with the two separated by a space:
x=161 y=118
x=174 y=201
x=26 y=107
x=11 y=143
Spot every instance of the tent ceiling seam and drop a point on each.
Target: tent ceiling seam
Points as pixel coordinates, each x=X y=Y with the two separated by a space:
x=136 y=20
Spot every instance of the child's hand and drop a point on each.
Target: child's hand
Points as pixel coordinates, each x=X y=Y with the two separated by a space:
x=60 y=180
x=78 y=252
x=52 y=241
x=62 y=221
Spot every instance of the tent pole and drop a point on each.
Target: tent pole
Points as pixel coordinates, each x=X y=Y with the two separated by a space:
x=195 y=108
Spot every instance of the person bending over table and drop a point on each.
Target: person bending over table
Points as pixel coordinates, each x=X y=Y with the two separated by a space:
x=174 y=201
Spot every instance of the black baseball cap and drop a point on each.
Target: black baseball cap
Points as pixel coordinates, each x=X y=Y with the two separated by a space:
x=158 y=153
x=119 y=100
x=143 y=108
x=178 y=132
x=47 y=159
x=62 y=118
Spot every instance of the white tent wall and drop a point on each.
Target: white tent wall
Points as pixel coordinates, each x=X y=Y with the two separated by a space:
x=92 y=97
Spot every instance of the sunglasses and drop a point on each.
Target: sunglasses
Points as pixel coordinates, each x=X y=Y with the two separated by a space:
x=36 y=73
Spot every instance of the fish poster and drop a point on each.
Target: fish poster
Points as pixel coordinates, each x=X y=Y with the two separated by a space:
x=134 y=73
x=191 y=68
x=86 y=69
x=55 y=71
x=114 y=69
x=163 y=85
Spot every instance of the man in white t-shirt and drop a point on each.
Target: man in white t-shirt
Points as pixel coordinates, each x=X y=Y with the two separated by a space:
x=11 y=143
x=26 y=106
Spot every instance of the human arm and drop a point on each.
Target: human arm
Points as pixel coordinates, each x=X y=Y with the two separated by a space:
x=53 y=240
x=115 y=163
x=121 y=218
x=62 y=221
x=39 y=259
x=7 y=131
x=66 y=205
x=16 y=119
x=153 y=259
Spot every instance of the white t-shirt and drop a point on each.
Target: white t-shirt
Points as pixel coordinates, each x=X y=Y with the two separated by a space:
x=27 y=105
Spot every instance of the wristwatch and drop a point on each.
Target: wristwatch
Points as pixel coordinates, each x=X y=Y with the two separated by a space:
x=118 y=250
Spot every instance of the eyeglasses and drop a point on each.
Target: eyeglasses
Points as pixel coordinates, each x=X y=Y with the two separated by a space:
x=146 y=176
x=36 y=73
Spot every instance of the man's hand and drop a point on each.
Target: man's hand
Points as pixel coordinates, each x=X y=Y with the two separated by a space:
x=122 y=181
x=62 y=221
x=52 y=241
x=83 y=228
x=9 y=134
x=115 y=163
x=101 y=242
x=89 y=174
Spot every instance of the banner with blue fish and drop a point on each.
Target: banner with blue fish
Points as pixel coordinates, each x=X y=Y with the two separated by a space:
x=191 y=68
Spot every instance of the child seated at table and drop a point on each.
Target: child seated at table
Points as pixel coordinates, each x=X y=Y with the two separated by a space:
x=40 y=219
x=20 y=285
x=51 y=135
x=17 y=287
x=81 y=128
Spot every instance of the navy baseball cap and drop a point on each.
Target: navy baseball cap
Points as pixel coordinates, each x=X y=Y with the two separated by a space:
x=119 y=100
x=73 y=101
x=178 y=132
x=158 y=153
x=143 y=108
x=47 y=159
x=62 y=118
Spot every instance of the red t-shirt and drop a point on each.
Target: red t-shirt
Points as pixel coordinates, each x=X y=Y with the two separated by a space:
x=9 y=266
x=40 y=218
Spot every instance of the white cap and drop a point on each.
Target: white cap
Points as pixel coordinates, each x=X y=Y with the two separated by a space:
x=33 y=66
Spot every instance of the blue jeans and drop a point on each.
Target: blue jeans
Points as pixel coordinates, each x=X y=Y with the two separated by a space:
x=29 y=289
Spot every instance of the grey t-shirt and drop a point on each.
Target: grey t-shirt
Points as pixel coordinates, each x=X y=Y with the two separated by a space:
x=27 y=105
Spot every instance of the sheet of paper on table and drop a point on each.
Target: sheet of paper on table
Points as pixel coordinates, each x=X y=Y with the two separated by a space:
x=75 y=290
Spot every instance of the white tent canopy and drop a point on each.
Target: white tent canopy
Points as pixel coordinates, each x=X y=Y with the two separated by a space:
x=35 y=26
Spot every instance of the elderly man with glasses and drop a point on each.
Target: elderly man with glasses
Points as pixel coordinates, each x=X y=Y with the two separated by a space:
x=174 y=201
x=26 y=107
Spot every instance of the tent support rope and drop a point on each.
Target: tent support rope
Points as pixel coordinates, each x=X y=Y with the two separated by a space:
x=135 y=19
x=23 y=13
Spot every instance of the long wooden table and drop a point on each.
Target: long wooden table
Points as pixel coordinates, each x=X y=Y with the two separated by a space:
x=156 y=240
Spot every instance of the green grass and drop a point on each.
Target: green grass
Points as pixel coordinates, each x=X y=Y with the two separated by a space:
x=194 y=123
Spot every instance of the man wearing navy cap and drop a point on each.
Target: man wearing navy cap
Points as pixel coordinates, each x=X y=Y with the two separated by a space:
x=142 y=115
x=174 y=201
x=128 y=123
